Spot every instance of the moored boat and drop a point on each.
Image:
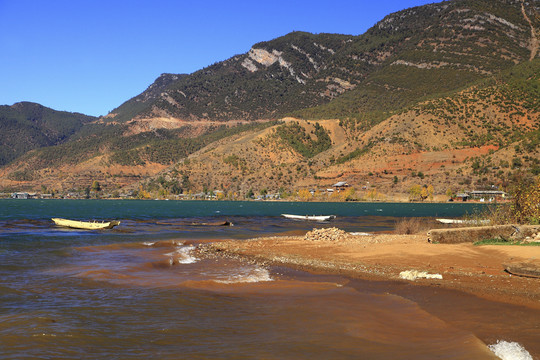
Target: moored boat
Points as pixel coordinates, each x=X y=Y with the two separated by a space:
x=310 y=217
x=460 y=221
x=86 y=225
x=212 y=223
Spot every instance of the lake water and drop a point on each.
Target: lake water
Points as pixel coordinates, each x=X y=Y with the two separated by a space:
x=139 y=291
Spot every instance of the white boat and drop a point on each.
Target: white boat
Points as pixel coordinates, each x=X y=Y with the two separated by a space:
x=310 y=217
x=460 y=221
x=87 y=225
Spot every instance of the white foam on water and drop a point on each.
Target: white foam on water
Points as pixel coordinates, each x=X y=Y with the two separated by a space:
x=248 y=275
x=186 y=255
x=510 y=351
x=182 y=255
x=163 y=243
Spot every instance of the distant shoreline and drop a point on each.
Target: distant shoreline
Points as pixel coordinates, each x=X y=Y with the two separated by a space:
x=281 y=200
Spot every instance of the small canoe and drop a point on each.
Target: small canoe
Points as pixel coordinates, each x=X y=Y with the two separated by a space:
x=310 y=217
x=86 y=225
x=460 y=221
x=212 y=223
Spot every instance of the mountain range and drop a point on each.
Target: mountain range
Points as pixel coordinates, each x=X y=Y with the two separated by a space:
x=447 y=90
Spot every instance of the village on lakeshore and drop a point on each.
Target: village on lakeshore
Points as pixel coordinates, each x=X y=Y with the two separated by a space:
x=340 y=191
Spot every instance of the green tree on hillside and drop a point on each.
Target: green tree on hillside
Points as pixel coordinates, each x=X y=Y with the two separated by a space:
x=96 y=186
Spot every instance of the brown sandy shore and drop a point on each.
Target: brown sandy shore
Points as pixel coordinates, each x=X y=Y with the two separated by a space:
x=477 y=270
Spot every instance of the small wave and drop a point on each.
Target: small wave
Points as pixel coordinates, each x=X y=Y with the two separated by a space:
x=183 y=255
x=103 y=274
x=44 y=335
x=166 y=243
x=510 y=351
x=248 y=275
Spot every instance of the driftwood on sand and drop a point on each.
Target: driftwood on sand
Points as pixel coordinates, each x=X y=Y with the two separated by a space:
x=527 y=269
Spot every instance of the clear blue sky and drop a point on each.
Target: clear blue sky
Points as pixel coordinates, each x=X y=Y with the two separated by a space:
x=90 y=56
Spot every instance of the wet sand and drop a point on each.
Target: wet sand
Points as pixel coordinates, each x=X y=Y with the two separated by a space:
x=475 y=293
x=476 y=270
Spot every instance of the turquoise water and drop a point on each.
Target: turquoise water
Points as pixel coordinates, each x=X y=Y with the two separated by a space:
x=173 y=219
x=142 y=290
x=156 y=209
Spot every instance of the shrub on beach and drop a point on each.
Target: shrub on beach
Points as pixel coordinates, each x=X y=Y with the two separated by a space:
x=526 y=205
x=524 y=208
x=408 y=226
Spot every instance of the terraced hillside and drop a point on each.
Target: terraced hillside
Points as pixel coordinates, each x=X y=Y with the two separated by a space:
x=478 y=138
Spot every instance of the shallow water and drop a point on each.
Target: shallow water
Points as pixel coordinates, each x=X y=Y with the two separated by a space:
x=141 y=290
x=136 y=300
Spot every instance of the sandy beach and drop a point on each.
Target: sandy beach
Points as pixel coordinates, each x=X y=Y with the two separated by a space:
x=477 y=270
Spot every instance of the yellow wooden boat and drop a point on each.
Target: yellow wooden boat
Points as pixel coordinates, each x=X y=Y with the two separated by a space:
x=87 y=225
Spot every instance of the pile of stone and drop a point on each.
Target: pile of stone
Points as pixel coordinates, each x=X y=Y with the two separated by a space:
x=328 y=234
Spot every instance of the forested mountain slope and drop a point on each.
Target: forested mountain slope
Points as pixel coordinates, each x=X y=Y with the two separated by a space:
x=25 y=126
x=407 y=56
